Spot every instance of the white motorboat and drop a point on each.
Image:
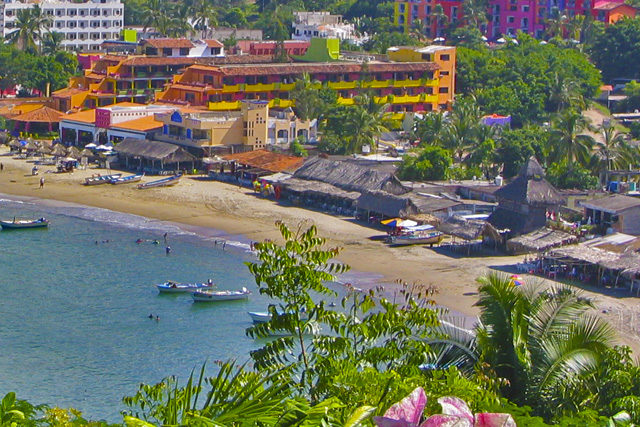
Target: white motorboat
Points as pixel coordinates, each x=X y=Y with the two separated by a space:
x=173 y=287
x=417 y=238
x=101 y=179
x=259 y=316
x=207 y=296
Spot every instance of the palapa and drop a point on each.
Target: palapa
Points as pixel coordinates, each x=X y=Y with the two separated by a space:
x=530 y=187
x=59 y=150
x=15 y=143
x=349 y=176
x=468 y=229
x=31 y=146
x=387 y=204
x=154 y=151
x=73 y=152
x=539 y=240
x=86 y=153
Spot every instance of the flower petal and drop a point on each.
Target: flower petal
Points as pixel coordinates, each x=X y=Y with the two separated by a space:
x=494 y=420
x=453 y=406
x=441 y=420
x=389 y=422
x=410 y=408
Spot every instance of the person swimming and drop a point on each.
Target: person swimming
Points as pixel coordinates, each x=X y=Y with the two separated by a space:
x=156 y=242
x=150 y=316
x=139 y=241
x=168 y=250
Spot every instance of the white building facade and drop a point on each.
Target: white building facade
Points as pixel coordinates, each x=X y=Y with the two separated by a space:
x=84 y=25
x=308 y=25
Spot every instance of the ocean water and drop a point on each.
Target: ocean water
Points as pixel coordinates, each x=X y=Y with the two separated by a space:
x=75 y=300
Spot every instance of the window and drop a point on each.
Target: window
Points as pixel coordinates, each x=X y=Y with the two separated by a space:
x=454 y=14
x=184 y=51
x=443 y=90
x=166 y=51
x=9 y=13
x=444 y=57
x=401 y=7
x=444 y=73
x=510 y=19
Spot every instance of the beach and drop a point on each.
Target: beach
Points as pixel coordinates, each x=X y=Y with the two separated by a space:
x=226 y=209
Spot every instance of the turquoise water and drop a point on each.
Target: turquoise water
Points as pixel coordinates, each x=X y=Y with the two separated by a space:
x=74 y=326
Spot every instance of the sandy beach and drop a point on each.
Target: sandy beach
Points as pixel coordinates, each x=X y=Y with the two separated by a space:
x=197 y=201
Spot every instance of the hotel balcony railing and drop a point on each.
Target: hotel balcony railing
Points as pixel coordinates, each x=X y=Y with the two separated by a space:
x=260 y=87
x=178 y=138
x=342 y=85
x=224 y=105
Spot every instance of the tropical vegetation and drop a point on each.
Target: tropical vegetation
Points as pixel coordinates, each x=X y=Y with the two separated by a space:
x=538 y=356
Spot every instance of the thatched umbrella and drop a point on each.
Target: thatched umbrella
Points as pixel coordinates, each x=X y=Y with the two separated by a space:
x=58 y=150
x=86 y=153
x=73 y=152
x=31 y=146
x=44 y=149
x=5 y=137
x=15 y=143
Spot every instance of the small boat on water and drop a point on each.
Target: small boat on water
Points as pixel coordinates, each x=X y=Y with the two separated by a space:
x=164 y=182
x=417 y=238
x=206 y=296
x=31 y=223
x=259 y=316
x=173 y=287
x=101 y=179
x=126 y=179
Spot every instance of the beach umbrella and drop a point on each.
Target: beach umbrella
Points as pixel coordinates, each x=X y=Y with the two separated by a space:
x=103 y=148
x=15 y=143
x=484 y=39
x=439 y=39
x=501 y=40
x=391 y=222
x=73 y=152
x=90 y=145
x=517 y=280
x=44 y=149
x=31 y=146
x=86 y=153
x=407 y=223
x=58 y=150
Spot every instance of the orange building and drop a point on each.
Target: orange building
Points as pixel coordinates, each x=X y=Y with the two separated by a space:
x=611 y=11
x=420 y=85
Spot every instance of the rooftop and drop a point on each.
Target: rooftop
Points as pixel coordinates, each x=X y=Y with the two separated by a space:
x=614 y=203
x=168 y=43
x=87 y=116
x=143 y=124
x=267 y=160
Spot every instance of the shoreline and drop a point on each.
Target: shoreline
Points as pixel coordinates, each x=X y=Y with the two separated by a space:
x=197 y=203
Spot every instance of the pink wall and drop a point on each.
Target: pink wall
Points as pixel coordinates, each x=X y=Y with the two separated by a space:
x=103 y=118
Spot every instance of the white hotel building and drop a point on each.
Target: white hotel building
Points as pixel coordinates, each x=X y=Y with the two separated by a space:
x=84 y=25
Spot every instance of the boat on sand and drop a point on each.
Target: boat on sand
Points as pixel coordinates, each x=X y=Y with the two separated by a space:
x=126 y=179
x=101 y=179
x=164 y=182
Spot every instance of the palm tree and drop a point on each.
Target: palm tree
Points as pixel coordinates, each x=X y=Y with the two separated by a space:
x=52 y=42
x=461 y=132
x=365 y=128
x=440 y=17
x=556 y=24
x=29 y=25
x=475 y=12
x=156 y=15
x=613 y=151
x=538 y=341
x=308 y=104
x=563 y=93
x=568 y=142
x=431 y=128
x=203 y=15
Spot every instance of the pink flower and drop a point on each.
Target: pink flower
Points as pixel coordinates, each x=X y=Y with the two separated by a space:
x=455 y=413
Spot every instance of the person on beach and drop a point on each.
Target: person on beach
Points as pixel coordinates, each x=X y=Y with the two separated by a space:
x=168 y=250
x=1 y=167
x=165 y=238
x=42 y=182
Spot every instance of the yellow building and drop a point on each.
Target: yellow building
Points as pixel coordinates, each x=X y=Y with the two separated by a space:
x=444 y=56
x=251 y=128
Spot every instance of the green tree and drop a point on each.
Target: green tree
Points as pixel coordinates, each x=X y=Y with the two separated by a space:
x=613 y=51
x=52 y=42
x=462 y=131
x=515 y=146
x=440 y=18
x=612 y=148
x=568 y=141
x=426 y=164
x=431 y=128
x=308 y=103
x=29 y=25
x=560 y=175
x=540 y=342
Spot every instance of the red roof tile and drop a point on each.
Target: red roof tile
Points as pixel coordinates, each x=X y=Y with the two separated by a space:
x=267 y=160
x=41 y=115
x=213 y=43
x=333 y=67
x=168 y=43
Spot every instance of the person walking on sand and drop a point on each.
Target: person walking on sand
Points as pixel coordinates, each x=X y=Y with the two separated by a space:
x=1 y=167
x=42 y=182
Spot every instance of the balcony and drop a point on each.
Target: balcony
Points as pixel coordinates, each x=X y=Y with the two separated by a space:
x=429 y=98
x=281 y=103
x=179 y=139
x=232 y=88
x=342 y=85
x=406 y=99
x=260 y=87
x=377 y=84
x=224 y=105
x=345 y=101
x=285 y=86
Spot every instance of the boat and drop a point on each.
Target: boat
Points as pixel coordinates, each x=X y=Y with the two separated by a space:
x=164 y=182
x=101 y=179
x=126 y=179
x=173 y=287
x=417 y=238
x=220 y=295
x=30 y=223
x=259 y=316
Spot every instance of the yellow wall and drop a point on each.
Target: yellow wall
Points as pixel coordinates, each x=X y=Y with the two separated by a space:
x=397 y=14
x=256 y=120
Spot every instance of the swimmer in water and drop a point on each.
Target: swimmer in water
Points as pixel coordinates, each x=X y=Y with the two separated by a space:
x=156 y=242
x=150 y=316
x=168 y=250
x=139 y=241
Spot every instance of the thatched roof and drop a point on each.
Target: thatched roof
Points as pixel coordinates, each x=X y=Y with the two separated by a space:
x=73 y=152
x=625 y=261
x=349 y=176
x=267 y=160
x=539 y=240
x=153 y=150
x=530 y=187
x=584 y=254
x=387 y=204
x=59 y=150
x=424 y=218
x=314 y=188
x=467 y=229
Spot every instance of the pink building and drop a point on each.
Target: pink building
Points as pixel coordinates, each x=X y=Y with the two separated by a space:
x=507 y=17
